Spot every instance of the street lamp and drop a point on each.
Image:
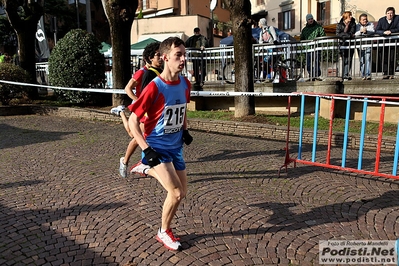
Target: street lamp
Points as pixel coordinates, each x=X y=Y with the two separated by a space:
x=77 y=12
x=212 y=7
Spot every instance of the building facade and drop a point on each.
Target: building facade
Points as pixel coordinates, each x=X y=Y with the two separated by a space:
x=289 y=15
x=161 y=19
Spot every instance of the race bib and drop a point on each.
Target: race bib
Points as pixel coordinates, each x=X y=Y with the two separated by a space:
x=174 y=118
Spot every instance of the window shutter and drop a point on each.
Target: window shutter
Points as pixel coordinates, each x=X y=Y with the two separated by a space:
x=292 y=19
x=280 y=22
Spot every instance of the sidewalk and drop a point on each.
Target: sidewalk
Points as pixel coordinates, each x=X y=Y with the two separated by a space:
x=62 y=201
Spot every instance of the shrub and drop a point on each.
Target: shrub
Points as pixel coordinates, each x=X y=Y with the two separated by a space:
x=14 y=73
x=76 y=62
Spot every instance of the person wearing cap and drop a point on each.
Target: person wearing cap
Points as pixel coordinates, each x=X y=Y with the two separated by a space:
x=198 y=42
x=268 y=33
x=311 y=31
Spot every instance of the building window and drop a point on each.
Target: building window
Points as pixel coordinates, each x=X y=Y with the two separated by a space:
x=286 y=20
x=323 y=12
x=143 y=4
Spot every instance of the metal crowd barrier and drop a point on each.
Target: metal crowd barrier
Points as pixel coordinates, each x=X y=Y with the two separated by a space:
x=323 y=57
x=379 y=54
x=216 y=64
x=320 y=152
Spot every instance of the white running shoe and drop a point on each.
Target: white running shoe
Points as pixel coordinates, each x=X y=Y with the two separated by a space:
x=168 y=240
x=117 y=110
x=122 y=168
x=140 y=168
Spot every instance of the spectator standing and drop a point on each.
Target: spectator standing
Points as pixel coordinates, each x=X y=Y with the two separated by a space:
x=311 y=31
x=385 y=27
x=268 y=34
x=364 y=29
x=199 y=42
x=346 y=29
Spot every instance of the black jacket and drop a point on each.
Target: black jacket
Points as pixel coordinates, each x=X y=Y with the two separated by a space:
x=383 y=25
x=340 y=30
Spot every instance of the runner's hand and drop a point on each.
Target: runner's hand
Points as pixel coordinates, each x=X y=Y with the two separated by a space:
x=152 y=157
x=187 y=138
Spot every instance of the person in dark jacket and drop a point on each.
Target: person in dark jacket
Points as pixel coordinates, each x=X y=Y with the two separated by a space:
x=311 y=31
x=385 y=27
x=346 y=29
x=198 y=42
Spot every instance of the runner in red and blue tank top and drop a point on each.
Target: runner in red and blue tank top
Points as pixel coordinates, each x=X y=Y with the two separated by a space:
x=165 y=101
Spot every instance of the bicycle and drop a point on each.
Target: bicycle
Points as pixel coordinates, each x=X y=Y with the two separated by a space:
x=287 y=70
x=283 y=70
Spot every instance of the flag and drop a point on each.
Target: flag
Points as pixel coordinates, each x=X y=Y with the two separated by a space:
x=42 y=49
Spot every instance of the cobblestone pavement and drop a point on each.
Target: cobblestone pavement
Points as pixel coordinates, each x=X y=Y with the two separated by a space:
x=62 y=201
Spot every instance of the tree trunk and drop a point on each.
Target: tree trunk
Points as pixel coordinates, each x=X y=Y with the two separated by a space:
x=25 y=29
x=120 y=14
x=240 y=11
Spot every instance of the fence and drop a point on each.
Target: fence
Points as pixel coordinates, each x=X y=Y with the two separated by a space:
x=319 y=153
x=216 y=64
x=330 y=54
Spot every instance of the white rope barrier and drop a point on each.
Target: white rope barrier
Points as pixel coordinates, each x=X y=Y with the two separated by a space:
x=119 y=91
x=358 y=98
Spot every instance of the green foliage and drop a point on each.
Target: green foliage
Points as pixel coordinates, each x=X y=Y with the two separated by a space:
x=65 y=14
x=76 y=62
x=14 y=73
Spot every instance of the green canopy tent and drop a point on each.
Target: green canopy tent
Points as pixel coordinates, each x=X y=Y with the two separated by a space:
x=135 y=49
x=138 y=48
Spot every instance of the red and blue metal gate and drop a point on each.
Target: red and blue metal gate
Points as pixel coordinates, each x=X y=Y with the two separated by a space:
x=349 y=99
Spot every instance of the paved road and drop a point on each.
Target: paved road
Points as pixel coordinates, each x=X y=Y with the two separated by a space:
x=62 y=201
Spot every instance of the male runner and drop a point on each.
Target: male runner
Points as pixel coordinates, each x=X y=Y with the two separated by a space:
x=165 y=100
